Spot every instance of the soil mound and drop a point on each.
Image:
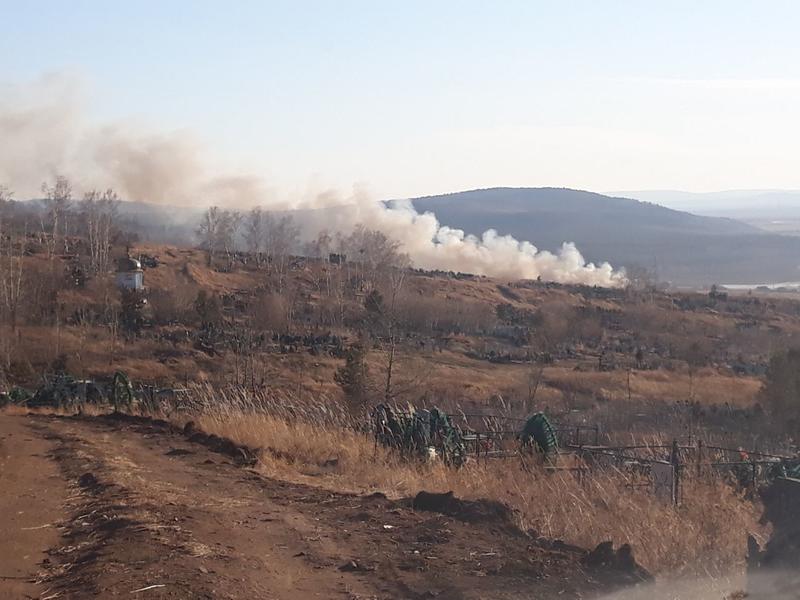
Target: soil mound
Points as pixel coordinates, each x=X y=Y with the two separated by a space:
x=469 y=511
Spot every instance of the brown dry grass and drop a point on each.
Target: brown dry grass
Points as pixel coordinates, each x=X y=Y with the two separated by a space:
x=464 y=379
x=705 y=535
x=708 y=385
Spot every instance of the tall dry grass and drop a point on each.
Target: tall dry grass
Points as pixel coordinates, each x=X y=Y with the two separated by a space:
x=317 y=443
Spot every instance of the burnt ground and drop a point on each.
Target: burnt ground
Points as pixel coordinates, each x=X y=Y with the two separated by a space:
x=125 y=507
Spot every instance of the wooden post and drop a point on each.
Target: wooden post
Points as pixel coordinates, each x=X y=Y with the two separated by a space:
x=629 y=384
x=699 y=456
x=675 y=459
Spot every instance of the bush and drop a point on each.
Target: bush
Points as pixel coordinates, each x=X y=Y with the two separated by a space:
x=352 y=378
x=172 y=305
x=208 y=308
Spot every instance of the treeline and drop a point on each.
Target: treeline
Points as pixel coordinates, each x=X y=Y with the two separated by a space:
x=82 y=230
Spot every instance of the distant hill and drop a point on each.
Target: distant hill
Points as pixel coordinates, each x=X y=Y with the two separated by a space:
x=685 y=248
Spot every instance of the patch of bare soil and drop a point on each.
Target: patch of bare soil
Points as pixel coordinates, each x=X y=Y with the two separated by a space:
x=156 y=512
x=32 y=498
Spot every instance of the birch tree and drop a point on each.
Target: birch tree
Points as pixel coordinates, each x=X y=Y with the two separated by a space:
x=11 y=273
x=57 y=203
x=99 y=212
x=218 y=232
x=280 y=239
x=231 y=222
x=209 y=232
x=6 y=197
x=254 y=233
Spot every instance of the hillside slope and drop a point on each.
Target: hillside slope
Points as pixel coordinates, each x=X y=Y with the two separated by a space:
x=686 y=249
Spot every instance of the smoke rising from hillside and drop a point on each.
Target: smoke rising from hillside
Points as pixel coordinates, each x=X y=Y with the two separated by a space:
x=432 y=245
x=46 y=132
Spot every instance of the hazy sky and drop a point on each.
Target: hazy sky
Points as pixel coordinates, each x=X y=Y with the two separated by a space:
x=416 y=98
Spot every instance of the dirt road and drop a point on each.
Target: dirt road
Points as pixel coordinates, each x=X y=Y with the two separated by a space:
x=102 y=507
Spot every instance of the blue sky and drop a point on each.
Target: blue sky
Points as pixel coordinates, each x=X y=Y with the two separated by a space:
x=411 y=98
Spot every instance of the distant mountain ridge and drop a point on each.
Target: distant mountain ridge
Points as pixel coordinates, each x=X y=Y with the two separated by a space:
x=684 y=248
x=750 y=205
x=566 y=202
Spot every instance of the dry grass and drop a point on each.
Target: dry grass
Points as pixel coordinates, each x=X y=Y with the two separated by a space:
x=453 y=375
x=705 y=535
x=708 y=385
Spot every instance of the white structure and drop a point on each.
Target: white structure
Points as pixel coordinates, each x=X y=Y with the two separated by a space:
x=129 y=274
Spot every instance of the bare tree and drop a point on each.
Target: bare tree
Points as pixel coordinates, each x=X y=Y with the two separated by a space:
x=6 y=197
x=254 y=233
x=396 y=279
x=11 y=273
x=113 y=324
x=99 y=211
x=383 y=319
x=376 y=253
x=231 y=223
x=336 y=295
x=209 y=231
x=319 y=247
x=218 y=231
x=280 y=239
x=57 y=203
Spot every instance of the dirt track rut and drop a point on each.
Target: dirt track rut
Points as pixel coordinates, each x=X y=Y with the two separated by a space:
x=142 y=511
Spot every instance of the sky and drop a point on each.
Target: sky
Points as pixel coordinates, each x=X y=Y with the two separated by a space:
x=414 y=98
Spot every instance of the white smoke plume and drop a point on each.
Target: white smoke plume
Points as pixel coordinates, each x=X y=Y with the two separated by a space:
x=45 y=132
x=432 y=245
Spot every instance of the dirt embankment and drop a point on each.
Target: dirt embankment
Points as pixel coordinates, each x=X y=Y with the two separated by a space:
x=145 y=508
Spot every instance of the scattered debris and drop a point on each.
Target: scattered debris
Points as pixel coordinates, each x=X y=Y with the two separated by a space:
x=354 y=566
x=88 y=481
x=149 y=587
